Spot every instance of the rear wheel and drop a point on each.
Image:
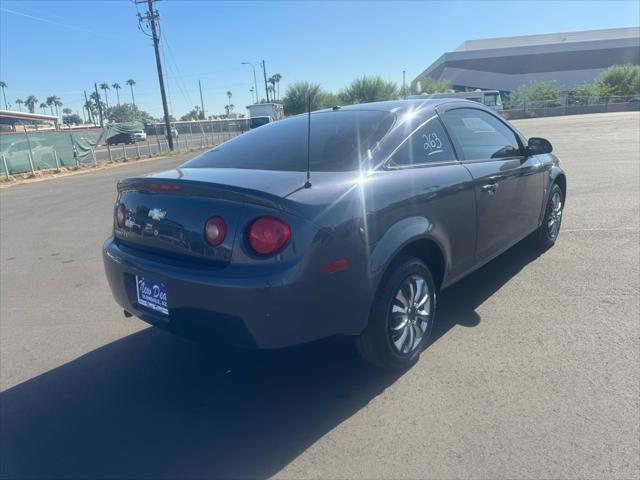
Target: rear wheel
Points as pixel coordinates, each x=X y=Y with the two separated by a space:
x=550 y=228
x=401 y=318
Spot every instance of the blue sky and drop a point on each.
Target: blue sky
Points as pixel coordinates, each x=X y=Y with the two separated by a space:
x=62 y=47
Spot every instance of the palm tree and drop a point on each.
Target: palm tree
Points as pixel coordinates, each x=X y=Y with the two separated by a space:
x=276 y=77
x=3 y=85
x=90 y=110
x=229 y=95
x=105 y=87
x=19 y=102
x=229 y=108
x=30 y=102
x=44 y=106
x=53 y=101
x=131 y=82
x=116 y=86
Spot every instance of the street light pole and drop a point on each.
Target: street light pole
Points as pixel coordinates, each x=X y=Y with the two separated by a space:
x=255 y=81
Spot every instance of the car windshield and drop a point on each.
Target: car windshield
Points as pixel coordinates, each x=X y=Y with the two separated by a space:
x=338 y=141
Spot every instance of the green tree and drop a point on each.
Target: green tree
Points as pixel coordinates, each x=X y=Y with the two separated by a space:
x=3 y=85
x=367 y=89
x=31 y=102
x=619 y=80
x=127 y=112
x=66 y=111
x=275 y=81
x=131 y=82
x=427 y=85
x=584 y=94
x=535 y=92
x=19 y=102
x=194 y=114
x=71 y=119
x=44 y=106
x=104 y=87
x=54 y=101
x=296 y=98
x=116 y=86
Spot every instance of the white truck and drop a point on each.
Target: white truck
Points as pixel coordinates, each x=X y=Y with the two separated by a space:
x=263 y=113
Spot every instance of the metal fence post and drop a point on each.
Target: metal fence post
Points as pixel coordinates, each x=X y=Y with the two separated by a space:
x=149 y=145
x=124 y=151
x=30 y=155
x=93 y=155
x=137 y=152
x=6 y=168
x=190 y=133
x=109 y=151
x=55 y=156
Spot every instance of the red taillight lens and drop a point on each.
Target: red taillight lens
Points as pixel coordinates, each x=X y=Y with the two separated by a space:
x=268 y=235
x=215 y=230
x=121 y=215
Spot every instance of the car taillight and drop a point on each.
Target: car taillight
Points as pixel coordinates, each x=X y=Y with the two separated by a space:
x=215 y=230
x=268 y=235
x=121 y=215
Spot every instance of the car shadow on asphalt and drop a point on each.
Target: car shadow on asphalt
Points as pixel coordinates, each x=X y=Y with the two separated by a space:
x=151 y=405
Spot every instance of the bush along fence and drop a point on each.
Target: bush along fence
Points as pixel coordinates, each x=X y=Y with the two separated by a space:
x=31 y=151
x=572 y=105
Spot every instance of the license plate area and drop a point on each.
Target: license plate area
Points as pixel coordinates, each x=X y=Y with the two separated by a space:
x=152 y=294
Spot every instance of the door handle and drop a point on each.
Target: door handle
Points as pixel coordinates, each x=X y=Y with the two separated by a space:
x=490 y=188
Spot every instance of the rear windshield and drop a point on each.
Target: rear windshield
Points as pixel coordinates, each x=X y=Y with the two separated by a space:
x=339 y=140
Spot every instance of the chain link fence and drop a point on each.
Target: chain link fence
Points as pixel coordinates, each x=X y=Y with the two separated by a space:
x=30 y=151
x=572 y=105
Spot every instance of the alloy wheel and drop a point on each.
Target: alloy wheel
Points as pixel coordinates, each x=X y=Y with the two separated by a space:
x=410 y=314
x=555 y=215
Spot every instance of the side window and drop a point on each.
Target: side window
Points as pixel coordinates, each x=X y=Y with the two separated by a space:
x=428 y=144
x=481 y=136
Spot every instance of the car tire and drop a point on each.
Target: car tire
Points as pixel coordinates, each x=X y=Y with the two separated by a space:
x=549 y=231
x=395 y=314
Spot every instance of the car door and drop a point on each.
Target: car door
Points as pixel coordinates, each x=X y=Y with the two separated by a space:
x=508 y=185
x=437 y=187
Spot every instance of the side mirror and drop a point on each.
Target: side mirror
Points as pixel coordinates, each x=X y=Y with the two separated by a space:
x=538 y=146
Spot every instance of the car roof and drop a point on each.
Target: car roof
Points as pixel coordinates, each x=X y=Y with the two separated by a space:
x=402 y=106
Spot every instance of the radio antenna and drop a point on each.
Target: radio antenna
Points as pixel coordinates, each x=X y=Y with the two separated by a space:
x=307 y=184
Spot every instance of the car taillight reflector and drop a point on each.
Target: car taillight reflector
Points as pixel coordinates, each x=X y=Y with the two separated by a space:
x=121 y=215
x=215 y=230
x=268 y=235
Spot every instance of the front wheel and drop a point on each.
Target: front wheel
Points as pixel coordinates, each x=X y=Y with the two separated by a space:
x=401 y=317
x=550 y=228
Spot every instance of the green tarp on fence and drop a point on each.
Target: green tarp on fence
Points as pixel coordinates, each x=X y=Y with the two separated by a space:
x=44 y=146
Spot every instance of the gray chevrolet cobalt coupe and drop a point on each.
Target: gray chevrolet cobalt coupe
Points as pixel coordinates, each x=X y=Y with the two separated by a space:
x=347 y=221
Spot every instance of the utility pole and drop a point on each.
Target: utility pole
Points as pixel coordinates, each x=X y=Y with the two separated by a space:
x=264 y=72
x=201 y=102
x=404 y=85
x=99 y=102
x=152 y=17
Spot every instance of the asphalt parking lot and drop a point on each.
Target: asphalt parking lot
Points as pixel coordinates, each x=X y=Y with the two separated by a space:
x=534 y=371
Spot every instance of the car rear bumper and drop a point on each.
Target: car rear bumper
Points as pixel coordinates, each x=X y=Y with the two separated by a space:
x=219 y=304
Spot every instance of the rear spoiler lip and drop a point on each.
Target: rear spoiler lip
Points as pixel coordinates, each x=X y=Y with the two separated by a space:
x=205 y=189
